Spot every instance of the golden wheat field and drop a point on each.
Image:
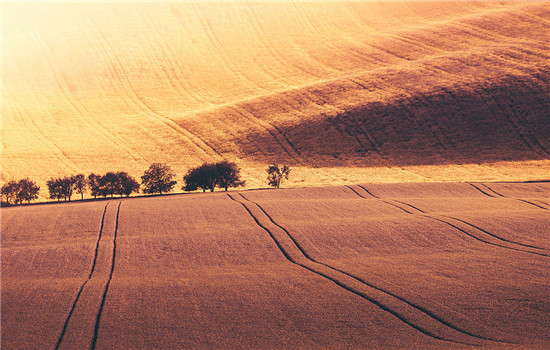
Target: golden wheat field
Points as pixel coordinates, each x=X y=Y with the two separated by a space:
x=415 y=215
x=345 y=92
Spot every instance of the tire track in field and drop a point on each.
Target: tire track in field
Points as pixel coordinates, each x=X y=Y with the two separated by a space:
x=282 y=140
x=288 y=64
x=132 y=95
x=75 y=104
x=526 y=137
x=58 y=153
x=73 y=307
x=81 y=327
x=416 y=317
x=169 y=55
x=374 y=146
x=480 y=234
x=518 y=199
x=315 y=32
x=104 y=296
x=220 y=48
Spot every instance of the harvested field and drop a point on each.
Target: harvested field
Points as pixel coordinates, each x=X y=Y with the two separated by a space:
x=442 y=265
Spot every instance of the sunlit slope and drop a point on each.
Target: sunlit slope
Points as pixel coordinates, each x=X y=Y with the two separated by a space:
x=97 y=87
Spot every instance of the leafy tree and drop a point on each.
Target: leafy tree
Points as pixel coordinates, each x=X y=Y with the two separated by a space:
x=158 y=179
x=276 y=174
x=126 y=184
x=9 y=192
x=80 y=184
x=61 y=187
x=68 y=186
x=228 y=175
x=27 y=191
x=94 y=183
x=203 y=177
x=108 y=184
x=55 y=188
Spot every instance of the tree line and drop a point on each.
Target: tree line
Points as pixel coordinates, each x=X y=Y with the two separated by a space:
x=157 y=179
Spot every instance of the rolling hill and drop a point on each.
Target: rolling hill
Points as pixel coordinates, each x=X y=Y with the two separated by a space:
x=344 y=92
x=424 y=266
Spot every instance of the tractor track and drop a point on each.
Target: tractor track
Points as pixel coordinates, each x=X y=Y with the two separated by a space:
x=415 y=316
x=79 y=322
x=73 y=307
x=517 y=246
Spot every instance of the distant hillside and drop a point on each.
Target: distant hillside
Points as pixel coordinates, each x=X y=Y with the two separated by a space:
x=383 y=91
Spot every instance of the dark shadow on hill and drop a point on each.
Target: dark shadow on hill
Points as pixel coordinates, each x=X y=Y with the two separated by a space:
x=508 y=121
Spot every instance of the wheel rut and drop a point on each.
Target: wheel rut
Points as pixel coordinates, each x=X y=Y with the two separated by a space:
x=471 y=230
x=81 y=326
x=518 y=199
x=411 y=314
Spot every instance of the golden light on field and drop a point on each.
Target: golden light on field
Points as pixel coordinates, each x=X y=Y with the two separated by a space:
x=413 y=131
x=345 y=92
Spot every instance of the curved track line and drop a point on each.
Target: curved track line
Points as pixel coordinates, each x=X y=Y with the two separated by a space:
x=104 y=296
x=495 y=236
x=183 y=133
x=345 y=285
x=90 y=121
x=73 y=307
x=359 y=279
x=220 y=48
x=518 y=199
x=442 y=219
x=169 y=55
x=380 y=199
x=480 y=190
x=293 y=152
x=43 y=139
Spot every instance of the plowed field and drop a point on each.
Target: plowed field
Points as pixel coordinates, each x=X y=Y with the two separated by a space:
x=442 y=265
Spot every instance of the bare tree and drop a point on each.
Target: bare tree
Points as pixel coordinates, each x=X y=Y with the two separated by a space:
x=276 y=174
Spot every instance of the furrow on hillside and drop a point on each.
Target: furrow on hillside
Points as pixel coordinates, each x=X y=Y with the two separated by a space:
x=175 y=81
x=412 y=89
x=417 y=317
x=349 y=56
x=59 y=154
x=221 y=50
x=282 y=140
x=197 y=142
x=263 y=38
x=80 y=109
